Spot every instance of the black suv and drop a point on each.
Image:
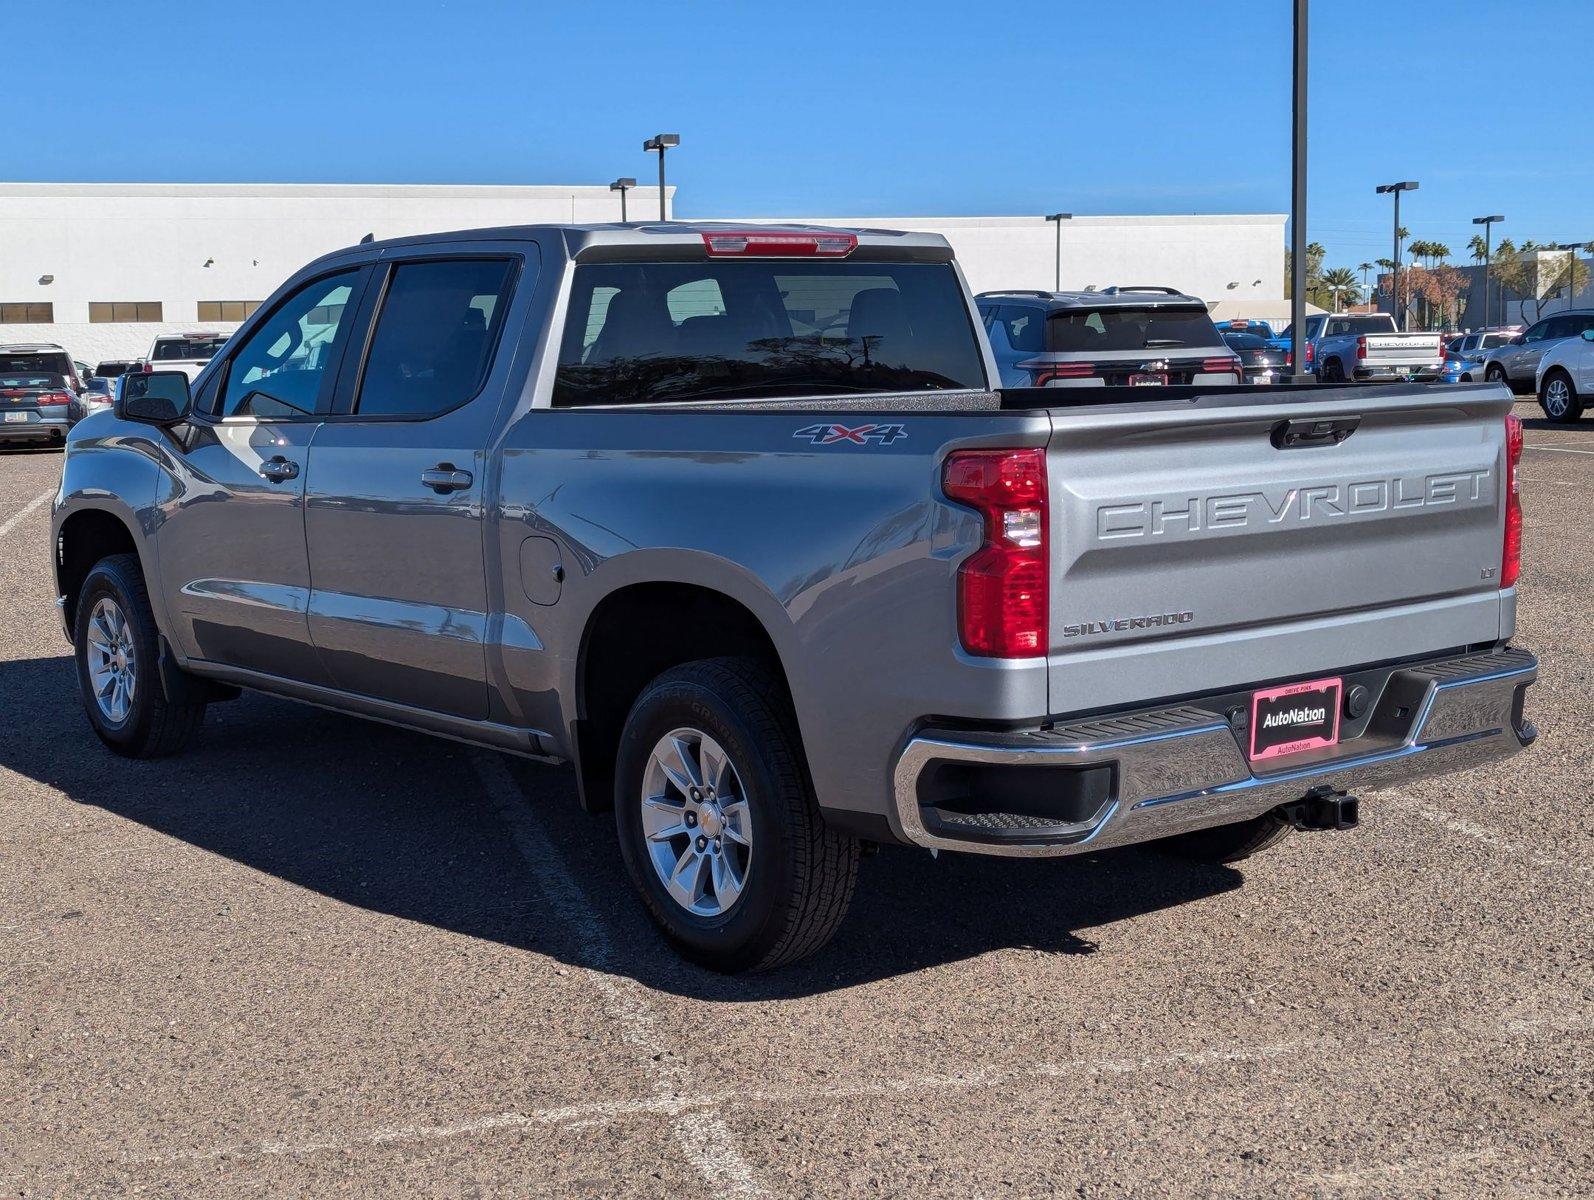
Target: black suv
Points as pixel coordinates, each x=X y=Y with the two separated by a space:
x=1120 y=335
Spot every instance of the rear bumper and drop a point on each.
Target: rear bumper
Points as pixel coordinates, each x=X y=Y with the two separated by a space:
x=1118 y=779
x=34 y=431
x=1398 y=374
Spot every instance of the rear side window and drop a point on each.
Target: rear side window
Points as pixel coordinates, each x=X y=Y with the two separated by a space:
x=434 y=337
x=1025 y=327
x=653 y=332
x=1129 y=328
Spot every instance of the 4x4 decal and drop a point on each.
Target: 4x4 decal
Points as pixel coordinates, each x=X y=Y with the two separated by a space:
x=857 y=435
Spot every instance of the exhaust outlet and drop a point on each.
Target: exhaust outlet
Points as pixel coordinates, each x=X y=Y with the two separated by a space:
x=1323 y=808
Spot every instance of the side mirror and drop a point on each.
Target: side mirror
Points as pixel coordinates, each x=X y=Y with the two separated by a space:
x=1588 y=335
x=158 y=398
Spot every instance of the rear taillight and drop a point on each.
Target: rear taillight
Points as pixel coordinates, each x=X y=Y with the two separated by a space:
x=1310 y=352
x=1076 y=370
x=51 y=399
x=1289 y=359
x=1002 y=586
x=1511 y=553
x=1361 y=346
x=146 y=368
x=1217 y=366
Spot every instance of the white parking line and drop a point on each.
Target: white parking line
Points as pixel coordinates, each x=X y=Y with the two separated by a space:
x=703 y=1135
x=975 y=1077
x=1558 y=449
x=1490 y=837
x=16 y=518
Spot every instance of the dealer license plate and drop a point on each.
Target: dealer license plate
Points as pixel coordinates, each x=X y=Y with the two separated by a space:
x=1295 y=718
x=1147 y=379
x=16 y=418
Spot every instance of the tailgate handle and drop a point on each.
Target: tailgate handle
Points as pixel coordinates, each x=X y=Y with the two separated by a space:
x=1302 y=432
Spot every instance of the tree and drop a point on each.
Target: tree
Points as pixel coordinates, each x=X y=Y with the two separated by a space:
x=1479 y=249
x=1364 y=268
x=1567 y=272
x=1314 y=272
x=1341 y=281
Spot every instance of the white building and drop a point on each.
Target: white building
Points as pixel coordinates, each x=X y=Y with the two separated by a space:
x=102 y=268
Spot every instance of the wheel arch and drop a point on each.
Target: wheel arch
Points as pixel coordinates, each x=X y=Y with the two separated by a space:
x=636 y=631
x=84 y=536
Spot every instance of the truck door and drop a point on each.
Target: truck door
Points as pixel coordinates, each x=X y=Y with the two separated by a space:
x=393 y=508
x=231 y=541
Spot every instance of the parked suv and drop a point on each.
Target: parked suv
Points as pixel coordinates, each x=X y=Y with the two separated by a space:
x=1129 y=335
x=39 y=390
x=1517 y=362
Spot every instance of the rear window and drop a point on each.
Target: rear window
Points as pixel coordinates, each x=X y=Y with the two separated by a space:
x=1360 y=325
x=651 y=332
x=170 y=349
x=1244 y=341
x=1128 y=328
x=43 y=364
x=29 y=379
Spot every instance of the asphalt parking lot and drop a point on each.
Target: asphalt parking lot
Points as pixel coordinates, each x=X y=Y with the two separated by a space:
x=318 y=956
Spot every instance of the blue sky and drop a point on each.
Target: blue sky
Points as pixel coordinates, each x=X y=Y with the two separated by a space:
x=869 y=109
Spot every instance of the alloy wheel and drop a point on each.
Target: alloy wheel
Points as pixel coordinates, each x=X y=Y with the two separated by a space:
x=1557 y=397
x=112 y=660
x=696 y=820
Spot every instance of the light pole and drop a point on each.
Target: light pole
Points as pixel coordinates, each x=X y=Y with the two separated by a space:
x=622 y=185
x=1058 y=219
x=1394 y=283
x=1298 y=202
x=1488 y=251
x=662 y=142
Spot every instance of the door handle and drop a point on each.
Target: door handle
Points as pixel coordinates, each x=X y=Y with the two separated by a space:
x=445 y=478
x=278 y=468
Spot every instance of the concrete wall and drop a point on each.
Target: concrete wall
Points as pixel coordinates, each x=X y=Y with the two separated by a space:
x=152 y=241
x=1202 y=255
x=129 y=242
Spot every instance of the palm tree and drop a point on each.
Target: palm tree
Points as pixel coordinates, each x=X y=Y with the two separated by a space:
x=1341 y=281
x=1364 y=268
x=1479 y=248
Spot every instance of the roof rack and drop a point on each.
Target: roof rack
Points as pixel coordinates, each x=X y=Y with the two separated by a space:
x=1141 y=287
x=1017 y=292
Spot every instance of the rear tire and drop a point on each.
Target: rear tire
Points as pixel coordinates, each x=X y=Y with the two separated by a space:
x=757 y=883
x=1495 y=373
x=1227 y=843
x=118 y=665
x=1333 y=372
x=1559 y=399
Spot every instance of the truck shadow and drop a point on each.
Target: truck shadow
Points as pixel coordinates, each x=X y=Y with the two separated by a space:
x=400 y=823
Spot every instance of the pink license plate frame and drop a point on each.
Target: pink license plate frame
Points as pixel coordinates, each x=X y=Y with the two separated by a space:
x=1331 y=690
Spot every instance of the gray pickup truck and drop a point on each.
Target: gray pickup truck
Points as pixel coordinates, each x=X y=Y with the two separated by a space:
x=736 y=520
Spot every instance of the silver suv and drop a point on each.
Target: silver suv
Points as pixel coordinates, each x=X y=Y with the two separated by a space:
x=1120 y=335
x=1517 y=362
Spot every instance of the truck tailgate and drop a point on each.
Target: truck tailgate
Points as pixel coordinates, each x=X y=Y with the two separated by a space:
x=1192 y=550
x=1401 y=349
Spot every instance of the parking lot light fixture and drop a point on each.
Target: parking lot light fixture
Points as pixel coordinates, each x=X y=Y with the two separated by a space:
x=1057 y=275
x=1488 y=251
x=623 y=185
x=1384 y=189
x=662 y=142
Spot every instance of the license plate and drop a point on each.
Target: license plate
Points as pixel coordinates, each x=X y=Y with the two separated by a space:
x=1147 y=379
x=1294 y=718
x=16 y=418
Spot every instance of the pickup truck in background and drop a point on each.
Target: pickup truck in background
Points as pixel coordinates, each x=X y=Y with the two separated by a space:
x=189 y=353
x=1341 y=348
x=737 y=520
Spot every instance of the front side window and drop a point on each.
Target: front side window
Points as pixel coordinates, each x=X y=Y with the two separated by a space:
x=1537 y=332
x=663 y=331
x=277 y=372
x=434 y=337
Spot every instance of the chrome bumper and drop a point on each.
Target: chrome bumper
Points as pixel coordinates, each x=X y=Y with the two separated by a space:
x=1183 y=768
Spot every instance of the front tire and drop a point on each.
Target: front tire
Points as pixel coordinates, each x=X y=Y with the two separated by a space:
x=717 y=821
x=118 y=665
x=1496 y=374
x=1559 y=399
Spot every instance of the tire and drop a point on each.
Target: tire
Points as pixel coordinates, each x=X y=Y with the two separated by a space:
x=1333 y=372
x=1559 y=399
x=796 y=875
x=118 y=665
x=1227 y=843
x=1495 y=373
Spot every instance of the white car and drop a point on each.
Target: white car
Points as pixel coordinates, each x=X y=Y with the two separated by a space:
x=1566 y=377
x=185 y=352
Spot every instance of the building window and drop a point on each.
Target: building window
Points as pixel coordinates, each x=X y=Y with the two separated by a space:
x=124 y=310
x=29 y=313
x=226 y=310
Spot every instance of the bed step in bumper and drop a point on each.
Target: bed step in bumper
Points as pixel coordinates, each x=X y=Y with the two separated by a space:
x=1113 y=780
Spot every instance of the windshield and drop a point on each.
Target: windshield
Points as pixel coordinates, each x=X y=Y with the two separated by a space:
x=168 y=349
x=1126 y=328
x=641 y=332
